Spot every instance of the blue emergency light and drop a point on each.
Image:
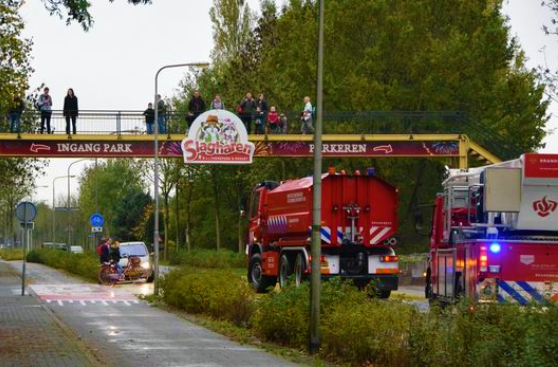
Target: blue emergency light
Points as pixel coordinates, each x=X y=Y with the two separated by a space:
x=495 y=248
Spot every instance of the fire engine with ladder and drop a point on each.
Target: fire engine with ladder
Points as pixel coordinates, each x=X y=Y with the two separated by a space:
x=495 y=233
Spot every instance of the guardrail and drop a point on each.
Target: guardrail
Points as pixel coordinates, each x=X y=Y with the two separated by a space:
x=133 y=122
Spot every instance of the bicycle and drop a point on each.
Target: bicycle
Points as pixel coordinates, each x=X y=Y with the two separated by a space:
x=108 y=274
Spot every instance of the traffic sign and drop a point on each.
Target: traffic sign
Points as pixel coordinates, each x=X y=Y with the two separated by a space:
x=96 y=220
x=26 y=211
x=96 y=229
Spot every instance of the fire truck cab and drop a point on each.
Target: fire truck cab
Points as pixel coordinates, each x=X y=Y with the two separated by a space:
x=494 y=233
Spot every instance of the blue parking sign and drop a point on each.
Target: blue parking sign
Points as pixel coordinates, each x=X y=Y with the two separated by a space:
x=96 y=220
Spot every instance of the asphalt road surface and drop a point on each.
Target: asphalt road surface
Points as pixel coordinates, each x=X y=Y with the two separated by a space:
x=122 y=330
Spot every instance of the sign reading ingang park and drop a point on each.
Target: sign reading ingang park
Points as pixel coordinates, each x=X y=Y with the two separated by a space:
x=217 y=137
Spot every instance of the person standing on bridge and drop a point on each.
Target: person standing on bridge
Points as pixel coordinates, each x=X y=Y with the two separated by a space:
x=161 y=115
x=217 y=103
x=45 y=106
x=70 y=110
x=196 y=107
x=16 y=109
x=149 y=118
x=247 y=110
x=306 y=118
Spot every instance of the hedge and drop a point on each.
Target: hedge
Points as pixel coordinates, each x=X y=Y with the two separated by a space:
x=11 y=254
x=361 y=331
x=85 y=265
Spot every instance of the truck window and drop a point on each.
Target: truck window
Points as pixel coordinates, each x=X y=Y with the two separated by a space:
x=255 y=203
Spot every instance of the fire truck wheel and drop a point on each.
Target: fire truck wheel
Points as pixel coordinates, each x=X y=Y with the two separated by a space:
x=300 y=269
x=285 y=271
x=259 y=282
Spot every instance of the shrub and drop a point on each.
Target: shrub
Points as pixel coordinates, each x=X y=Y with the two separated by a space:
x=283 y=317
x=218 y=293
x=359 y=330
x=85 y=265
x=11 y=254
x=208 y=259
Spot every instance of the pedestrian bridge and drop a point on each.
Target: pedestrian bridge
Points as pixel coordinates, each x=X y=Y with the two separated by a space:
x=374 y=134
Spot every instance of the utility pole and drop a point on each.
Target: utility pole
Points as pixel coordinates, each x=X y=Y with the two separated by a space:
x=316 y=250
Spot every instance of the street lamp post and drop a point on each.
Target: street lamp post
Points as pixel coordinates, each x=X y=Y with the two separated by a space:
x=69 y=207
x=156 y=170
x=54 y=208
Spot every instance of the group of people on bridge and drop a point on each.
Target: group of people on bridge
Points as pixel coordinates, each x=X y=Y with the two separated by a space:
x=44 y=105
x=266 y=119
x=257 y=112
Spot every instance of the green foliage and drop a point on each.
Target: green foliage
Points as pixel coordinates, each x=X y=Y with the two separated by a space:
x=85 y=265
x=404 y=59
x=11 y=254
x=117 y=189
x=361 y=331
x=209 y=259
x=78 y=10
x=231 y=26
x=217 y=293
x=15 y=54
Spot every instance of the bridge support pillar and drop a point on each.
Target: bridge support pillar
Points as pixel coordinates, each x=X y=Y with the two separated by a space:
x=463 y=152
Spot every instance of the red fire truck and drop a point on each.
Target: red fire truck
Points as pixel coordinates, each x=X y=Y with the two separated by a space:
x=495 y=233
x=359 y=221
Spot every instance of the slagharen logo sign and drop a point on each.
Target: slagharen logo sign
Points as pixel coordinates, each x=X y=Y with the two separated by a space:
x=217 y=136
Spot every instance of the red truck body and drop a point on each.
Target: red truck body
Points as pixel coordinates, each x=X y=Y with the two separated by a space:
x=359 y=220
x=495 y=233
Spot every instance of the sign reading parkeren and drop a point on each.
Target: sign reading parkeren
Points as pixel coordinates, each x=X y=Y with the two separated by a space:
x=217 y=137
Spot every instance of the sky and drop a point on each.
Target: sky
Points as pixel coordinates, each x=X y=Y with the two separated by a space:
x=113 y=66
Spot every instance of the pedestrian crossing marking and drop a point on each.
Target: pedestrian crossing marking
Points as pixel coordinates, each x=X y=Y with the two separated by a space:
x=92 y=302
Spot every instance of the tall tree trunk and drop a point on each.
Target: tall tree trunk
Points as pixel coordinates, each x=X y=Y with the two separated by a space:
x=188 y=216
x=177 y=207
x=217 y=198
x=239 y=208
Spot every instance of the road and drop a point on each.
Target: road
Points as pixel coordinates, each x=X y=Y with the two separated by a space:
x=414 y=295
x=122 y=330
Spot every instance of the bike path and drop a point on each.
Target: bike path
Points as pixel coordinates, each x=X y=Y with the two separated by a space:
x=138 y=334
x=31 y=334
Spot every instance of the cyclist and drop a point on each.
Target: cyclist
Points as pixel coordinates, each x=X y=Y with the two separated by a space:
x=104 y=250
x=115 y=256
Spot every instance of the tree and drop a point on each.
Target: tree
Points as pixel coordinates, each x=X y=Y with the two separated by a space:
x=409 y=55
x=16 y=182
x=15 y=54
x=548 y=75
x=78 y=10
x=115 y=189
x=231 y=28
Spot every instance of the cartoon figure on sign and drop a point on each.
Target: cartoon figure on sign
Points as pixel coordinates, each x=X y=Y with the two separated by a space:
x=217 y=137
x=210 y=131
x=230 y=135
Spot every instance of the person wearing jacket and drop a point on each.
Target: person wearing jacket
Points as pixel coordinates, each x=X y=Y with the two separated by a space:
x=115 y=256
x=70 y=110
x=44 y=104
x=196 y=107
x=14 y=114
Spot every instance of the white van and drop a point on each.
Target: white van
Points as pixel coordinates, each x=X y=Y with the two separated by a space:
x=138 y=249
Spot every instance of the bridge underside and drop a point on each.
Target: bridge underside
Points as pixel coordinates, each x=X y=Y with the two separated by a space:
x=456 y=146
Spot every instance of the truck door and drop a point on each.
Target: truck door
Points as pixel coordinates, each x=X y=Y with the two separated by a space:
x=446 y=273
